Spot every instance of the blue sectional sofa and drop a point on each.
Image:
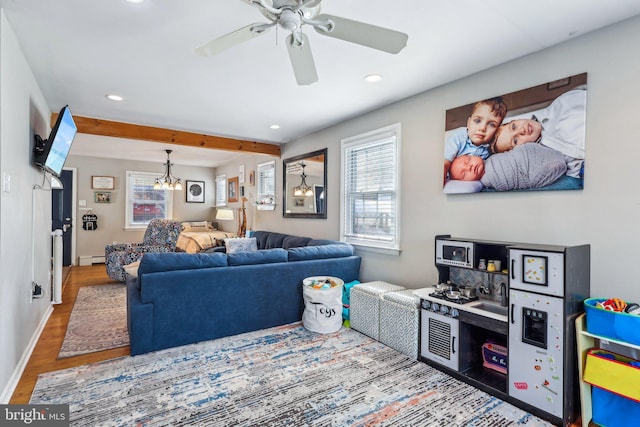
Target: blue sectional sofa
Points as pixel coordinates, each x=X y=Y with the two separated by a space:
x=181 y=298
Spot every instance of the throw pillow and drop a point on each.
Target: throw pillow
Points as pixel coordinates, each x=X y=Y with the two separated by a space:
x=132 y=269
x=241 y=244
x=197 y=226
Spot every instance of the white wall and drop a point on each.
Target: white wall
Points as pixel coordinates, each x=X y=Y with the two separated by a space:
x=605 y=214
x=25 y=214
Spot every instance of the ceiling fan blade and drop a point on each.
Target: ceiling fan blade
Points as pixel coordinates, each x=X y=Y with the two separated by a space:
x=302 y=60
x=229 y=40
x=311 y=3
x=364 y=34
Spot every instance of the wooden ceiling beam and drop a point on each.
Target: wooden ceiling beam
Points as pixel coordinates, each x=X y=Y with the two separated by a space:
x=153 y=134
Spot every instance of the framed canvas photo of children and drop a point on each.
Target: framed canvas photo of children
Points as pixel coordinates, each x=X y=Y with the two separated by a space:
x=532 y=139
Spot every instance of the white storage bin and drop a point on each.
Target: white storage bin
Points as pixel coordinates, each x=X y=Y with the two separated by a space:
x=365 y=306
x=400 y=321
x=322 y=307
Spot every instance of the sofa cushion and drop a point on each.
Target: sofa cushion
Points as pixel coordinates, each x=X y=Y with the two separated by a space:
x=295 y=242
x=168 y=261
x=320 y=252
x=261 y=238
x=274 y=240
x=240 y=244
x=319 y=242
x=258 y=257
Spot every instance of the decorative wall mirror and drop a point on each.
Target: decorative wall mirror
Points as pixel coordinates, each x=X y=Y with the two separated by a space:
x=305 y=185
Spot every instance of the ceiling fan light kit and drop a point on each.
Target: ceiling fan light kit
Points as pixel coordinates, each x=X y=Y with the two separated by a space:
x=291 y=16
x=167 y=181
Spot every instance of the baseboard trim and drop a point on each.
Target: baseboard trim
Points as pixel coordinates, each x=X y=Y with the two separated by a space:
x=5 y=397
x=90 y=260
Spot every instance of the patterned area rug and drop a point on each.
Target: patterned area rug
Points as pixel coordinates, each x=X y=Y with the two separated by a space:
x=275 y=377
x=98 y=321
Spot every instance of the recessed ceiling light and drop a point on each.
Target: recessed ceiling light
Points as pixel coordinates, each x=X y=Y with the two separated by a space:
x=274 y=127
x=114 y=97
x=372 y=78
x=136 y=1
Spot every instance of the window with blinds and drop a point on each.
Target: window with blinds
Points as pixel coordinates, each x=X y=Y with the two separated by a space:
x=370 y=197
x=143 y=203
x=221 y=190
x=266 y=183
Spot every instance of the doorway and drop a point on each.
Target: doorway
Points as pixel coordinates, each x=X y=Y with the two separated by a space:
x=62 y=215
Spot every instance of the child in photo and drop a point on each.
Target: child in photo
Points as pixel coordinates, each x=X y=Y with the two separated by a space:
x=560 y=126
x=486 y=117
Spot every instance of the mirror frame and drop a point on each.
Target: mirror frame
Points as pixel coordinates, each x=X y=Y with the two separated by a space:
x=286 y=214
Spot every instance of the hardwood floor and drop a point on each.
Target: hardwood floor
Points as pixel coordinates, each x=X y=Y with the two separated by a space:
x=44 y=357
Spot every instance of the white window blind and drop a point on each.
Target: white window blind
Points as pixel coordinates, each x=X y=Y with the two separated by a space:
x=221 y=190
x=143 y=203
x=266 y=182
x=371 y=194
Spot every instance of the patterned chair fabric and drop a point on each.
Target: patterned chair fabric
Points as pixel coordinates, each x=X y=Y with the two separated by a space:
x=161 y=236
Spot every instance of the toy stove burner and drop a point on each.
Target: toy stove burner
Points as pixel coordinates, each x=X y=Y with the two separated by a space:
x=459 y=300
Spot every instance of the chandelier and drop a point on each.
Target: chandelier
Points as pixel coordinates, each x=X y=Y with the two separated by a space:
x=303 y=189
x=167 y=181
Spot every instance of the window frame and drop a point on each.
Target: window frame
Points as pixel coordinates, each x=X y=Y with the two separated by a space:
x=151 y=177
x=221 y=191
x=262 y=197
x=370 y=139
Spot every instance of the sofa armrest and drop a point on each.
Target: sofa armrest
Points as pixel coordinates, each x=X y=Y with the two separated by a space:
x=139 y=320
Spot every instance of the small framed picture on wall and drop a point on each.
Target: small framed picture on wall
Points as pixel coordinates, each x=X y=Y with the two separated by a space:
x=102 y=197
x=241 y=174
x=232 y=194
x=195 y=191
x=102 y=182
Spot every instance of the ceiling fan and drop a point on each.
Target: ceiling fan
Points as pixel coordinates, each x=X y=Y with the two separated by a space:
x=291 y=15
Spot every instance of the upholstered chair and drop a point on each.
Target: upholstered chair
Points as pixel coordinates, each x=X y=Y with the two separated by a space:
x=161 y=236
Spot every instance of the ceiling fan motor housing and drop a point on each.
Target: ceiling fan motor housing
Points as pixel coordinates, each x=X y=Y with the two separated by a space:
x=289 y=20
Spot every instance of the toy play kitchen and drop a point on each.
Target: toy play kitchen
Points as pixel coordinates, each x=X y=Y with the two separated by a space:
x=497 y=302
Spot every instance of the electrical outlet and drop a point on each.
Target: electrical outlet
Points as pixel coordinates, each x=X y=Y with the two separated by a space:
x=37 y=291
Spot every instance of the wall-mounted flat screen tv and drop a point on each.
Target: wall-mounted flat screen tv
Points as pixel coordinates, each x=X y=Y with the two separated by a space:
x=51 y=153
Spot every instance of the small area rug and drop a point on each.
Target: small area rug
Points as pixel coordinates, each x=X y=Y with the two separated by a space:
x=98 y=321
x=283 y=376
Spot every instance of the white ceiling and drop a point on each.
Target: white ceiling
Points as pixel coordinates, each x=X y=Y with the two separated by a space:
x=81 y=50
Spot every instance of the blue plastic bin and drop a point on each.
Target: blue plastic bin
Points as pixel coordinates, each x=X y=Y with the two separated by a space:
x=611 y=324
x=610 y=410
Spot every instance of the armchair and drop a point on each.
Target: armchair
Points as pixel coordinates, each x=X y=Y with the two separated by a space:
x=161 y=236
